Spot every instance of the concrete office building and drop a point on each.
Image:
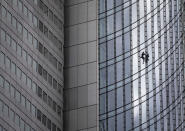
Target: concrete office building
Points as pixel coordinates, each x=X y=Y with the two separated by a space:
x=31 y=65
x=123 y=65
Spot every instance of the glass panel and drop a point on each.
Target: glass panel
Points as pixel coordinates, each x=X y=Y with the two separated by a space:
x=12 y=91
x=23 y=101
x=18 y=96
x=1 y=81
x=7 y=63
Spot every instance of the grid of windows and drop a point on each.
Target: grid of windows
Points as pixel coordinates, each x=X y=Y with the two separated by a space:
x=24 y=102
x=30 y=84
x=28 y=58
x=135 y=93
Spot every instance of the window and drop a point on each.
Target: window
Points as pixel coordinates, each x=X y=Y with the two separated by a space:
x=24 y=78
x=30 y=16
x=11 y=115
x=15 y=3
x=29 y=82
x=20 y=5
x=39 y=114
x=46 y=52
x=2 y=58
x=54 y=84
x=59 y=110
x=50 y=15
x=49 y=79
x=40 y=48
x=19 y=27
x=23 y=101
x=1 y=81
x=59 y=88
x=3 y=11
x=19 y=72
x=7 y=86
x=54 y=106
x=35 y=43
x=18 y=96
x=22 y=125
x=3 y=35
x=25 y=33
x=39 y=92
x=35 y=2
x=59 y=67
x=9 y=17
x=14 y=22
x=40 y=69
x=55 y=62
x=24 y=55
x=44 y=97
x=13 y=45
x=8 y=39
x=12 y=91
x=33 y=110
x=41 y=26
x=27 y=127
x=7 y=63
x=29 y=60
x=5 y=110
x=25 y=11
x=1 y=107
x=45 y=74
x=35 y=21
x=19 y=50
x=13 y=68
x=28 y=105
x=49 y=124
x=30 y=38
x=49 y=101
x=34 y=87
x=17 y=119
x=45 y=30
x=53 y=127
x=34 y=65
x=43 y=119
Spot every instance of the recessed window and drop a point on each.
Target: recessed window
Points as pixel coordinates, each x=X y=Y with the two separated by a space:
x=9 y=17
x=30 y=38
x=19 y=27
x=27 y=127
x=24 y=78
x=33 y=110
x=41 y=26
x=43 y=119
x=1 y=81
x=54 y=106
x=34 y=65
x=40 y=69
x=39 y=92
x=29 y=82
x=17 y=119
x=13 y=68
x=54 y=84
x=12 y=91
x=3 y=11
x=35 y=21
x=35 y=43
x=49 y=101
x=59 y=67
x=25 y=33
x=11 y=115
x=45 y=74
x=34 y=87
x=23 y=101
x=14 y=22
x=15 y=3
x=19 y=50
x=30 y=16
x=29 y=60
x=59 y=110
x=39 y=115
x=8 y=39
x=18 y=96
x=50 y=79
x=40 y=48
x=44 y=97
x=19 y=72
x=25 y=11
x=45 y=31
x=24 y=55
x=20 y=5
x=5 y=110
x=3 y=35
x=28 y=105
x=13 y=45
x=7 y=63
x=22 y=125
x=7 y=86
x=59 y=88
x=53 y=127
x=49 y=124
x=50 y=15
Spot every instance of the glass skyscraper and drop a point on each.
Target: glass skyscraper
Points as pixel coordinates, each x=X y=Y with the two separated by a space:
x=141 y=78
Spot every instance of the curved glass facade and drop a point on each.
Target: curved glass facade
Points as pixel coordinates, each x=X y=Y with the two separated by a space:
x=135 y=94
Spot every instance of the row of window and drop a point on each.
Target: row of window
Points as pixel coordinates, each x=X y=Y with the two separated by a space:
x=30 y=39
x=50 y=14
x=29 y=59
x=17 y=25
x=29 y=82
x=23 y=101
x=59 y=3
x=14 y=117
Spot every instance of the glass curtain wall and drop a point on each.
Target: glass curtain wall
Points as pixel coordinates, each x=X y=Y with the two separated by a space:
x=136 y=93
